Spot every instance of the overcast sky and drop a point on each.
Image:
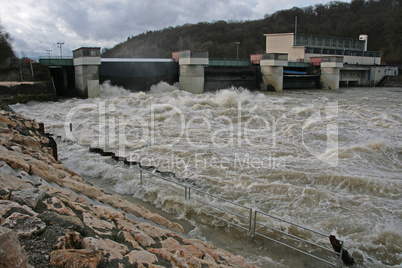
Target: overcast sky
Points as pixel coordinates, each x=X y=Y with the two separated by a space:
x=37 y=25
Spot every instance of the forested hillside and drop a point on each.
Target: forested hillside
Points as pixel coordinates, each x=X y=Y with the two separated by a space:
x=380 y=19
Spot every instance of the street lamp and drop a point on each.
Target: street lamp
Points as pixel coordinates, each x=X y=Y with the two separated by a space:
x=48 y=52
x=60 y=44
x=237 y=44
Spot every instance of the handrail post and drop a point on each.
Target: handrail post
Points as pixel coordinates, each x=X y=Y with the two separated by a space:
x=340 y=256
x=185 y=192
x=255 y=222
x=141 y=176
x=251 y=216
x=189 y=193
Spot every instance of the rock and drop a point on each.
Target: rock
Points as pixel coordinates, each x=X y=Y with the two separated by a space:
x=123 y=249
x=12 y=255
x=35 y=125
x=84 y=188
x=81 y=199
x=82 y=258
x=100 y=227
x=63 y=194
x=24 y=225
x=28 y=124
x=100 y=244
x=31 y=142
x=7 y=121
x=68 y=222
x=135 y=209
x=17 y=149
x=176 y=227
x=71 y=240
x=105 y=212
x=44 y=140
x=141 y=256
x=9 y=207
x=112 y=200
x=139 y=236
x=14 y=162
x=4 y=130
x=153 y=231
x=5 y=193
x=13 y=182
x=128 y=239
x=44 y=174
x=29 y=197
x=157 y=219
x=57 y=205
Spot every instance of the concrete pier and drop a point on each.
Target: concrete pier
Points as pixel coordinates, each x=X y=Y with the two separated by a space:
x=86 y=64
x=272 y=71
x=192 y=63
x=331 y=72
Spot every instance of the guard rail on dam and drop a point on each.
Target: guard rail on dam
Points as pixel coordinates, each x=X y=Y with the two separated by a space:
x=296 y=237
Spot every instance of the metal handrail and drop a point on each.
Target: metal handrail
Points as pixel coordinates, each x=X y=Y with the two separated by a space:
x=252 y=228
x=296 y=237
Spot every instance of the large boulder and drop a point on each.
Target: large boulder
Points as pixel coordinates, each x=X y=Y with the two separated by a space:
x=29 y=197
x=12 y=255
x=24 y=225
x=83 y=258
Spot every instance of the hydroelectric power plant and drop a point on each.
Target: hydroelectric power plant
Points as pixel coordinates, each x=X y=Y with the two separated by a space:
x=290 y=62
x=238 y=157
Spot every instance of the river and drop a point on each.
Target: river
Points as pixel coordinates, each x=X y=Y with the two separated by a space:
x=328 y=160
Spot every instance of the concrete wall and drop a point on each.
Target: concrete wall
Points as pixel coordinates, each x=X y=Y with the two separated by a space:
x=86 y=78
x=272 y=78
x=192 y=78
x=279 y=43
x=378 y=72
x=330 y=77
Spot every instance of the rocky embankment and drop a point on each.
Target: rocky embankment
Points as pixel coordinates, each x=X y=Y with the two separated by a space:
x=50 y=217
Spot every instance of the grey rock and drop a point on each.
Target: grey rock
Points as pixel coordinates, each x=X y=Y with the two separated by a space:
x=24 y=225
x=12 y=255
x=29 y=197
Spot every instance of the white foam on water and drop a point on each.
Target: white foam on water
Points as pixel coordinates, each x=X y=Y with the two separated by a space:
x=270 y=152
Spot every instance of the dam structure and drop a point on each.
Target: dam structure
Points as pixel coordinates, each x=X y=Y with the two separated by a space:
x=290 y=62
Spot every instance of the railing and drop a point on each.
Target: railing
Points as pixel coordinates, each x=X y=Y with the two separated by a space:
x=228 y=62
x=193 y=54
x=250 y=220
x=274 y=56
x=56 y=61
x=332 y=59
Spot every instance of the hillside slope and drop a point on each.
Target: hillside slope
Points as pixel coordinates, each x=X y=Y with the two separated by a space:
x=380 y=19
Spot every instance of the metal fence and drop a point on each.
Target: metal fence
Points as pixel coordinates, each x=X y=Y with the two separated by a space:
x=251 y=220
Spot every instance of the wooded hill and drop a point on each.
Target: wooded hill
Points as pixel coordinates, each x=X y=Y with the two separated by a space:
x=381 y=20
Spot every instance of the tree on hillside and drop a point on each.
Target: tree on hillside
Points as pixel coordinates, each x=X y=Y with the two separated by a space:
x=6 y=50
x=379 y=19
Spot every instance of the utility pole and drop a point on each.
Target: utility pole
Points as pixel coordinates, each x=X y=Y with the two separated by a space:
x=237 y=44
x=48 y=52
x=295 y=31
x=60 y=44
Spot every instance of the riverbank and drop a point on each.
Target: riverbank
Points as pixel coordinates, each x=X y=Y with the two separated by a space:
x=50 y=217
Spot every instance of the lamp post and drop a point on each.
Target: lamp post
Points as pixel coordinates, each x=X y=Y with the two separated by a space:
x=48 y=52
x=237 y=44
x=60 y=45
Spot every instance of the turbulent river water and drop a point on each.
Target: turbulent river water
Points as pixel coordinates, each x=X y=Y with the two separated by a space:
x=328 y=160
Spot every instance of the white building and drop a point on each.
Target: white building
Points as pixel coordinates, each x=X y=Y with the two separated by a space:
x=361 y=67
x=304 y=47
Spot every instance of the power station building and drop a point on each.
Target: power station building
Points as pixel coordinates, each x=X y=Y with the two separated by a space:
x=360 y=67
x=303 y=47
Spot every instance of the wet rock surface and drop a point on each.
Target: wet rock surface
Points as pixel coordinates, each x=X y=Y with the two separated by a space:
x=50 y=217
